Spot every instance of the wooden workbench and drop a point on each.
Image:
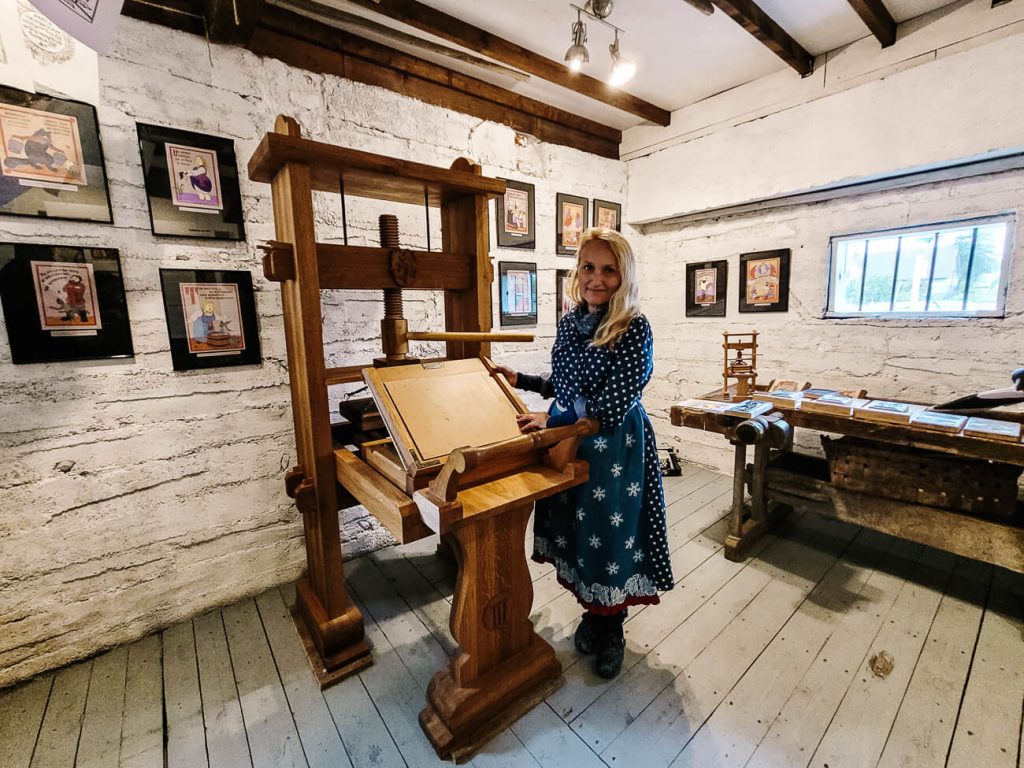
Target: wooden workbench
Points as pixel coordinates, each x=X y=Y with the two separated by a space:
x=780 y=479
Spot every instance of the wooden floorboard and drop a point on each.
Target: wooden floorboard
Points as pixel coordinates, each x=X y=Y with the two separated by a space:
x=765 y=663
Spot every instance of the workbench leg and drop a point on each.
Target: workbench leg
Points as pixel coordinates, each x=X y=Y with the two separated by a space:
x=738 y=514
x=503 y=667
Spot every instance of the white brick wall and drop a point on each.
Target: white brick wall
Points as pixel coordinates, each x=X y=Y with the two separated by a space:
x=132 y=496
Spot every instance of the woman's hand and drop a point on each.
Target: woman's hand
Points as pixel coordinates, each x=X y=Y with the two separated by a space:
x=532 y=421
x=510 y=376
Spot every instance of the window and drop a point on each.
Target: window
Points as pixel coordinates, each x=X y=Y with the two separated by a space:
x=955 y=269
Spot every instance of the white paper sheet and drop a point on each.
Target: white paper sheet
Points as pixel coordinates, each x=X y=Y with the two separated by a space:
x=63 y=65
x=93 y=22
x=15 y=60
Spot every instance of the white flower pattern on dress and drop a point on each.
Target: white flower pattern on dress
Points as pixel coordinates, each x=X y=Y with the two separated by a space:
x=629 y=542
x=633 y=489
x=580 y=514
x=615 y=519
x=616 y=470
x=595 y=541
x=638 y=556
x=561 y=541
x=600 y=493
x=612 y=568
x=600 y=443
x=630 y=440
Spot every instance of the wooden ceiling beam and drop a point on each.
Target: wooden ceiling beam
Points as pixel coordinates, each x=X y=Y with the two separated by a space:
x=878 y=19
x=454 y=30
x=231 y=21
x=749 y=15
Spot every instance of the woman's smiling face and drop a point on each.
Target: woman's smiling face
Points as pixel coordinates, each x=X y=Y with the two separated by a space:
x=598 y=273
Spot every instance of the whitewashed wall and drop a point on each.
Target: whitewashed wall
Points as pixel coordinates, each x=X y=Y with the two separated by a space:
x=132 y=496
x=950 y=89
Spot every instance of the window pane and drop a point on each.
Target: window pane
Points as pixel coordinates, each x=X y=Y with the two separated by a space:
x=912 y=279
x=879 y=267
x=948 y=279
x=849 y=266
x=983 y=293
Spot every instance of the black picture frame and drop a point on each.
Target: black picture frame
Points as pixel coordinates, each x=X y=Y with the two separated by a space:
x=707 y=286
x=517 y=293
x=571 y=219
x=764 y=281
x=63 y=303
x=515 y=216
x=51 y=159
x=232 y=319
x=563 y=302
x=608 y=215
x=189 y=205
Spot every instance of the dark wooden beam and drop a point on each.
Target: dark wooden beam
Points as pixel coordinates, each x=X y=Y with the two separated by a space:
x=749 y=15
x=231 y=21
x=316 y=47
x=175 y=14
x=425 y=18
x=878 y=19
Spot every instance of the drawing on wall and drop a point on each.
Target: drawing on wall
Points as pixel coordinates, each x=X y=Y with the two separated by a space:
x=517 y=285
x=571 y=220
x=66 y=295
x=211 y=318
x=515 y=214
x=706 y=289
x=63 y=303
x=764 y=281
x=608 y=215
x=51 y=161
x=194 y=177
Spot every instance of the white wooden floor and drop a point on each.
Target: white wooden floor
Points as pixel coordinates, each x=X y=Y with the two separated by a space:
x=762 y=664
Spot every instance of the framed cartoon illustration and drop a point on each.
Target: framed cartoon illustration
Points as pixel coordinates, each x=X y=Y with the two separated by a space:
x=211 y=318
x=764 y=281
x=191 y=184
x=608 y=215
x=563 y=301
x=63 y=303
x=517 y=285
x=570 y=221
x=706 y=288
x=51 y=159
x=515 y=216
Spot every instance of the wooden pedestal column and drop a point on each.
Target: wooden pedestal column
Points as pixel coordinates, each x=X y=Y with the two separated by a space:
x=503 y=667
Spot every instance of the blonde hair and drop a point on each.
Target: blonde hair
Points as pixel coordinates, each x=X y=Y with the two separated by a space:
x=624 y=304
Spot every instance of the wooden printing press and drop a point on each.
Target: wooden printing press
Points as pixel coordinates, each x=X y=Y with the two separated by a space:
x=453 y=462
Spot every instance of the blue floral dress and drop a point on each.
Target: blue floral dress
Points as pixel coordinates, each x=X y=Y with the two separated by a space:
x=606 y=538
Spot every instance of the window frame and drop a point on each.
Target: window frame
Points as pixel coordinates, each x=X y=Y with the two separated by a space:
x=1008 y=217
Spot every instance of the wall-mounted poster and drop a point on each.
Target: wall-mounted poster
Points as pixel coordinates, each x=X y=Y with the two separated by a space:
x=211 y=318
x=517 y=284
x=63 y=303
x=191 y=183
x=515 y=216
x=608 y=215
x=563 y=300
x=706 y=284
x=51 y=160
x=764 y=281
x=570 y=221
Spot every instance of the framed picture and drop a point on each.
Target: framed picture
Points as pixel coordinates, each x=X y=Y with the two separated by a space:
x=211 y=318
x=191 y=184
x=706 y=288
x=515 y=216
x=51 y=159
x=563 y=301
x=518 y=288
x=608 y=215
x=63 y=303
x=570 y=221
x=764 y=281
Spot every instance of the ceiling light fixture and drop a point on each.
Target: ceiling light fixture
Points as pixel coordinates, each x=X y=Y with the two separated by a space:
x=578 y=55
x=622 y=68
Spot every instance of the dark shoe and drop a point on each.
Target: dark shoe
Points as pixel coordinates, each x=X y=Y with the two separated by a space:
x=610 y=647
x=586 y=634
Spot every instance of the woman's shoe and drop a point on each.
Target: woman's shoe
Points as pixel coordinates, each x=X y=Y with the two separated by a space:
x=586 y=634
x=610 y=648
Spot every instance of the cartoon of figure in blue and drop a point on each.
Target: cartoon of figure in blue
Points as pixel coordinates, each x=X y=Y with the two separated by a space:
x=203 y=325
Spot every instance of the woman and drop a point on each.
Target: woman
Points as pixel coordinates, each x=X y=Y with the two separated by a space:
x=607 y=537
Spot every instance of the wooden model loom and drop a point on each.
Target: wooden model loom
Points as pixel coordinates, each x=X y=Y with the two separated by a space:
x=454 y=459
